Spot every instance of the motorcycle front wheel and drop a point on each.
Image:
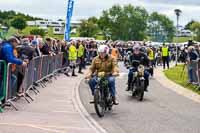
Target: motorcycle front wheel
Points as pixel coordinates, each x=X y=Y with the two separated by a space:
x=140 y=90
x=99 y=103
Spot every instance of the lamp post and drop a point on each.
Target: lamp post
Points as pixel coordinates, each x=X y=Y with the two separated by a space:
x=178 y=13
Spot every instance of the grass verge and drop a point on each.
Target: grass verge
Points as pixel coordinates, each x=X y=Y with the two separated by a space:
x=177 y=75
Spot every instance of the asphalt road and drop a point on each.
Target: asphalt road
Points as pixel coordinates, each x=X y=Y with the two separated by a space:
x=162 y=111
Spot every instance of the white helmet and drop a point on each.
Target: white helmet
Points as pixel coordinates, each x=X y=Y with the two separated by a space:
x=103 y=49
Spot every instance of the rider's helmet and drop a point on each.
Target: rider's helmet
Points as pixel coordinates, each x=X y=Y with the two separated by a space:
x=143 y=49
x=136 y=49
x=103 y=49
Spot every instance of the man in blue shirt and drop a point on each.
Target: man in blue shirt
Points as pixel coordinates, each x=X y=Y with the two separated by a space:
x=7 y=54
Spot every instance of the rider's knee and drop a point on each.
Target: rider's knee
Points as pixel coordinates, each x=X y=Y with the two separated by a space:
x=146 y=74
x=111 y=80
x=92 y=81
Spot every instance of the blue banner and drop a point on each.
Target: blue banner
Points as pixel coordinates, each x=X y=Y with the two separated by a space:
x=68 y=19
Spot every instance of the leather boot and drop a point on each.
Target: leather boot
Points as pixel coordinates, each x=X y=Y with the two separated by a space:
x=73 y=73
x=115 y=101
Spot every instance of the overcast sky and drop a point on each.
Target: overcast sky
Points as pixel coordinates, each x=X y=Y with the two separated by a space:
x=55 y=9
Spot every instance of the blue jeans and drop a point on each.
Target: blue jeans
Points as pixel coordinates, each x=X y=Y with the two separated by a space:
x=13 y=81
x=111 y=82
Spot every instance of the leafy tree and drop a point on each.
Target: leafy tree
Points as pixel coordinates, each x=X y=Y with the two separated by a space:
x=88 y=28
x=40 y=32
x=124 y=23
x=195 y=27
x=189 y=24
x=18 y=23
x=7 y=16
x=160 y=27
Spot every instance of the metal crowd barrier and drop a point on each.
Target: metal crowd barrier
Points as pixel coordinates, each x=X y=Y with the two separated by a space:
x=11 y=90
x=45 y=66
x=3 y=75
x=37 y=70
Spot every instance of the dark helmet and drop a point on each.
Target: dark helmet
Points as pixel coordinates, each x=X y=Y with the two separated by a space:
x=143 y=49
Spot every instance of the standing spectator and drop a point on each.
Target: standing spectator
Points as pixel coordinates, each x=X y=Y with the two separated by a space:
x=26 y=51
x=115 y=52
x=64 y=50
x=165 y=56
x=46 y=47
x=193 y=64
x=80 y=56
x=55 y=47
x=8 y=51
x=73 y=57
x=39 y=46
x=35 y=48
x=59 y=44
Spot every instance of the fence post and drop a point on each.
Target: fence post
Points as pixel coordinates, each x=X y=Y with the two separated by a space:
x=3 y=63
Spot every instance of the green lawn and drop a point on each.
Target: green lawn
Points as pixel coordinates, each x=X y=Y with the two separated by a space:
x=27 y=30
x=181 y=39
x=175 y=75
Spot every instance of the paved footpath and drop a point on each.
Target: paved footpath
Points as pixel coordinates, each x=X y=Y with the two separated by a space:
x=54 y=110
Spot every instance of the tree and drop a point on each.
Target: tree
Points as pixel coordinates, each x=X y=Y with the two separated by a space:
x=18 y=23
x=40 y=32
x=160 y=27
x=124 y=23
x=89 y=28
x=7 y=16
x=195 y=27
x=189 y=24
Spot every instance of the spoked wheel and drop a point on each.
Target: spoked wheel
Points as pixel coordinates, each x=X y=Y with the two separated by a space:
x=99 y=103
x=133 y=86
x=140 y=90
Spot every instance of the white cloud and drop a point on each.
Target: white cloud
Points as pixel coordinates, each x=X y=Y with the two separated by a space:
x=85 y=8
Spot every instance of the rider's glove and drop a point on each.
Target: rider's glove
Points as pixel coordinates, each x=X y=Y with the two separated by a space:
x=115 y=74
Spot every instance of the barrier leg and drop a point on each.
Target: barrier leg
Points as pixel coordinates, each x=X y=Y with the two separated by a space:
x=10 y=103
x=54 y=75
x=41 y=84
x=26 y=94
x=35 y=88
x=23 y=95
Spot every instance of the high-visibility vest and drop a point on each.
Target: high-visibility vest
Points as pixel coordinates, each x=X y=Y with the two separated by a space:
x=72 y=53
x=115 y=53
x=151 y=55
x=165 y=51
x=80 y=50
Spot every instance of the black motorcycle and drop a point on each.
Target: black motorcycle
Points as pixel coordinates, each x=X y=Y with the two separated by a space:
x=102 y=96
x=138 y=81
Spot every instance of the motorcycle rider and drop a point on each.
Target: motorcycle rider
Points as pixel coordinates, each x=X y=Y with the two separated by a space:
x=141 y=57
x=104 y=63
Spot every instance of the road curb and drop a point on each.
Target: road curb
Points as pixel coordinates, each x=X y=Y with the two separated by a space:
x=83 y=112
x=162 y=79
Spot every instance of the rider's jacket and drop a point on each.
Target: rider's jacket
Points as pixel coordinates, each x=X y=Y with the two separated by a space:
x=107 y=65
x=142 y=58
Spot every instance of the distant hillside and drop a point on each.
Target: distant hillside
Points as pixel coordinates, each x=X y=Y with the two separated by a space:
x=7 y=16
